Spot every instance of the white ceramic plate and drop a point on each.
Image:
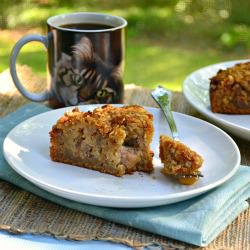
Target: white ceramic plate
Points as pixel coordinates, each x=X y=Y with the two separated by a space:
x=26 y=148
x=196 y=91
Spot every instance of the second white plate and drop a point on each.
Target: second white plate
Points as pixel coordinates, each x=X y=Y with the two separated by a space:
x=196 y=91
x=26 y=148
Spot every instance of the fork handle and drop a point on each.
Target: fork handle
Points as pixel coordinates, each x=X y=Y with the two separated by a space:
x=169 y=115
x=164 y=101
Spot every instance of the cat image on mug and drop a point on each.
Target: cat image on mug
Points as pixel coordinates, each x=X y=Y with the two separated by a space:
x=85 y=60
x=84 y=77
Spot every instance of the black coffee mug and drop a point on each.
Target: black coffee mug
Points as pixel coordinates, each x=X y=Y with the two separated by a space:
x=85 y=59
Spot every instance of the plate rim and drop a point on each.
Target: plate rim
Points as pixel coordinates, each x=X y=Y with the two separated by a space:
x=48 y=186
x=206 y=111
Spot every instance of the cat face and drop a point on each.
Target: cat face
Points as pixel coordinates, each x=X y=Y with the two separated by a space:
x=84 y=78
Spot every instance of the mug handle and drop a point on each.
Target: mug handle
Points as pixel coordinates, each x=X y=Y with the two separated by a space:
x=36 y=97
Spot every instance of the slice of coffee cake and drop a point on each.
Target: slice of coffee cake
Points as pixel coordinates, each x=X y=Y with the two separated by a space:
x=230 y=90
x=113 y=140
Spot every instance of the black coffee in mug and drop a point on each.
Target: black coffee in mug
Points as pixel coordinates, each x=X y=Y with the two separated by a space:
x=87 y=26
x=85 y=59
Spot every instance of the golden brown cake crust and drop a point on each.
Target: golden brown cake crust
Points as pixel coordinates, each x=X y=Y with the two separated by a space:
x=109 y=139
x=178 y=159
x=230 y=90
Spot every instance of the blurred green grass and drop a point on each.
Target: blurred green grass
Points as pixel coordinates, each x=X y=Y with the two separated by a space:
x=166 y=40
x=147 y=64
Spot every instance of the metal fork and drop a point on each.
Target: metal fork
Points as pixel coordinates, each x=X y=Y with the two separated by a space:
x=163 y=98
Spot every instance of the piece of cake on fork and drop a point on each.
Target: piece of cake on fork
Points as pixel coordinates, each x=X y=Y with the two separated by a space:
x=179 y=160
x=113 y=140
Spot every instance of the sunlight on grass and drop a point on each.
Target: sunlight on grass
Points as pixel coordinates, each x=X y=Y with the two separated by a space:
x=36 y=15
x=32 y=54
x=151 y=51
x=150 y=65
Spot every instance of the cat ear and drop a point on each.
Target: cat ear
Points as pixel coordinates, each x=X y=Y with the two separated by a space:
x=65 y=57
x=84 y=50
x=64 y=64
x=65 y=60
